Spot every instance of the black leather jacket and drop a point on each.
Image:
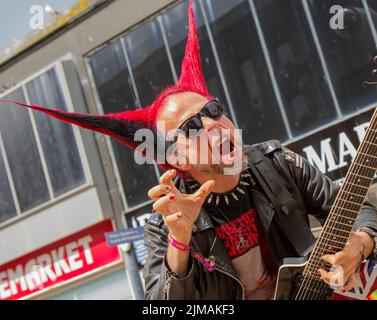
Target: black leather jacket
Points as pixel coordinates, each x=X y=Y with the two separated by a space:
x=288 y=231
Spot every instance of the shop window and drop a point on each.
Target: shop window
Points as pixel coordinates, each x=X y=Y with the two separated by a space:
x=301 y=80
x=116 y=94
x=245 y=70
x=57 y=139
x=7 y=205
x=25 y=147
x=349 y=52
x=22 y=154
x=175 y=22
x=149 y=61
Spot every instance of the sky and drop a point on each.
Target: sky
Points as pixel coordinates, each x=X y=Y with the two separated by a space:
x=15 y=17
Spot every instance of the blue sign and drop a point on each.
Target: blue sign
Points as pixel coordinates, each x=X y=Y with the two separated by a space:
x=141 y=251
x=124 y=236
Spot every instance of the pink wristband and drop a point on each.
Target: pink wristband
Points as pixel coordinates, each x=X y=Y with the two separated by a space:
x=178 y=245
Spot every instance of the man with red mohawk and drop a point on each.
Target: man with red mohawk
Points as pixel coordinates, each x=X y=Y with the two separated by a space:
x=218 y=234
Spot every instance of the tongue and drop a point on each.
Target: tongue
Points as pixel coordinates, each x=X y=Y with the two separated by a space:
x=225 y=148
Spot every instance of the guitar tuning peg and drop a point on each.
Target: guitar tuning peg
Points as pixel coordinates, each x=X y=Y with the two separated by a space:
x=375 y=59
x=374 y=72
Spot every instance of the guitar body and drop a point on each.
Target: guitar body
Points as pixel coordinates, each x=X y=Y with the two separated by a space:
x=290 y=278
x=298 y=279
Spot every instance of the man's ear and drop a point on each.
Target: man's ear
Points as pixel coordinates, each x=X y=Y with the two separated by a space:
x=178 y=158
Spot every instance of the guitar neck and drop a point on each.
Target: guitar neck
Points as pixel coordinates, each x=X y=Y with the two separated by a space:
x=342 y=217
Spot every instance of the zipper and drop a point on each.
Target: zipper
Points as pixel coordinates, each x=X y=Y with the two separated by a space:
x=226 y=272
x=235 y=278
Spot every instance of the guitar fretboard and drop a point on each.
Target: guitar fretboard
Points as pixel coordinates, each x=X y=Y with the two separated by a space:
x=341 y=220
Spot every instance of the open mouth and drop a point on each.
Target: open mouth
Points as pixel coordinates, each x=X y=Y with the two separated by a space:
x=227 y=149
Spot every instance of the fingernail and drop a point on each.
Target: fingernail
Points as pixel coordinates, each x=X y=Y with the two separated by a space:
x=167 y=188
x=179 y=215
x=171 y=197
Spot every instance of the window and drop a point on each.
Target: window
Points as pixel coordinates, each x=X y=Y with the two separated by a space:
x=57 y=138
x=349 y=52
x=28 y=141
x=149 y=61
x=115 y=91
x=303 y=86
x=175 y=22
x=7 y=205
x=22 y=154
x=245 y=70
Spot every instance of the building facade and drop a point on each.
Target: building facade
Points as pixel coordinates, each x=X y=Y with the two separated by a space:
x=279 y=67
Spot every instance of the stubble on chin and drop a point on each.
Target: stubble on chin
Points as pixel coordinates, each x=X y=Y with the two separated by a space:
x=219 y=168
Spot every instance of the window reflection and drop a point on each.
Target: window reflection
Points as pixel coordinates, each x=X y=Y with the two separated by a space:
x=57 y=138
x=306 y=95
x=149 y=61
x=22 y=153
x=349 y=52
x=175 y=23
x=116 y=93
x=245 y=70
x=7 y=206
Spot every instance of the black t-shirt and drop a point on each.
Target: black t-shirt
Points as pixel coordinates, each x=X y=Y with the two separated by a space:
x=236 y=221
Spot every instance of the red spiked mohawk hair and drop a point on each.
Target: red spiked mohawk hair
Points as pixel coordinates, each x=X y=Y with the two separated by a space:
x=123 y=126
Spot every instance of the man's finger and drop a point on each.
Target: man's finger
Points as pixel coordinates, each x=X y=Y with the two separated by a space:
x=156 y=192
x=168 y=176
x=330 y=278
x=161 y=205
x=205 y=190
x=173 y=218
x=329 y=258
x=350 y=284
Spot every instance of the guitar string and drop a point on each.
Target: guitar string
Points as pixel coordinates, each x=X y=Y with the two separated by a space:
x=347 y=203
x=310 y=282
x=342 y=199
x=332 y=227
x=303 y=291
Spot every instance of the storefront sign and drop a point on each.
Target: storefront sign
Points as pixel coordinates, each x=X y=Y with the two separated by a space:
x=61 y=261
x=333 y=148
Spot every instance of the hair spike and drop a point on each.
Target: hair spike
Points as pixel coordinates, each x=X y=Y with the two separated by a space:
x=123 y=126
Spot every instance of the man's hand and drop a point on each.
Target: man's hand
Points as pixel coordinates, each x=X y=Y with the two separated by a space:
x=347 y=262
x=179 y=210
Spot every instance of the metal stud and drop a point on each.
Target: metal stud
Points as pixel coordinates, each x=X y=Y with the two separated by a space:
x=226 y=200
x=217 y=200
x=210 y=198
x=234 y=196
x=241 y=191
x=244 y=183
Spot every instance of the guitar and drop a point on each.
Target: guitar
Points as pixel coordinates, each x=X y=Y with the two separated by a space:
x=298 y=278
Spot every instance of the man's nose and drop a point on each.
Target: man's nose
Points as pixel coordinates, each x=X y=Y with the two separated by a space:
x=208 y=123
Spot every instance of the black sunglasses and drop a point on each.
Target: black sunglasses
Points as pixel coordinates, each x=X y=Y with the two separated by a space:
x=190 y=128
